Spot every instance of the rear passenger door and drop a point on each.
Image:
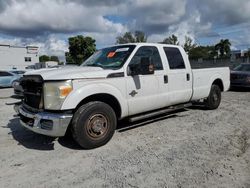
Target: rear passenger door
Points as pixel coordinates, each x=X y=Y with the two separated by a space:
x=179 y=76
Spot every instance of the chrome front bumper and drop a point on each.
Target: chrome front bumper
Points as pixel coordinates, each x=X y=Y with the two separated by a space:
x=50 y=124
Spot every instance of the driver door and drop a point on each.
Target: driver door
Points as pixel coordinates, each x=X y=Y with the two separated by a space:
x=143 y=90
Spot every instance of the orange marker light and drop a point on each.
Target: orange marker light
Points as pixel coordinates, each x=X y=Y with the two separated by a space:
x=65 y=90
x=111 y=54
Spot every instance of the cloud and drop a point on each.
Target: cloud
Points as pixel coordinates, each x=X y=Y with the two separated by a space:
x=33 y=18
x=151 y=16
x=226 y=12
x=48 y=23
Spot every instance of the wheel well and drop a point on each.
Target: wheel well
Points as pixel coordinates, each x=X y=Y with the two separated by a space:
x=106 y=98
x=219 y=83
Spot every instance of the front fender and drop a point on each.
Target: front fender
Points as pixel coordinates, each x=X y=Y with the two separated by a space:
x=79 y=94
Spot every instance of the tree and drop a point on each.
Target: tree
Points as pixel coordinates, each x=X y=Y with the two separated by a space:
x=188 y=45
x=248 y=55
x=223 y=47
x=80 y=48
x=140 y=36
x=68 y=58
x=171 y=40
x=129 y=37
x=202 y=52
x=54 y=58
x=44 y=58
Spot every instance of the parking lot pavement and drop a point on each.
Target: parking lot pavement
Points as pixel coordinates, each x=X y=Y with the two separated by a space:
x=5 y=92
x=192 y=148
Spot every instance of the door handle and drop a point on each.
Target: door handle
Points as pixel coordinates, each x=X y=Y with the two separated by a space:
x=165 y=79
x=188 y=76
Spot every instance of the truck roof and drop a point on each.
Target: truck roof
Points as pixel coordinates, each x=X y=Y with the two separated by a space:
x=146 y=44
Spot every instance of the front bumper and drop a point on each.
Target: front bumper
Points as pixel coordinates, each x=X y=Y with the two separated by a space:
x=50 y=124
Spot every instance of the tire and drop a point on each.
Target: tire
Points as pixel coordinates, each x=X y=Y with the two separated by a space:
x=214 y=98
x=93 y=124
x=12 y=83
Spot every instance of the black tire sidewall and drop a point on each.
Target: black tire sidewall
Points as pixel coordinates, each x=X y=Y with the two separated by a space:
x=210 y=103
x=79 y=124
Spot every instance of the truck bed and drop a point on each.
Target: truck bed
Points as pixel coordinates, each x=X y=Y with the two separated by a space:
x=203 y=78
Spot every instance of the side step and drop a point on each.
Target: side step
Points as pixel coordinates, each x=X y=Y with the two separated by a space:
x=158 y=112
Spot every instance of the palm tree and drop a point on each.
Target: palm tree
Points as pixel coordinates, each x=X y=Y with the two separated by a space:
x=224 y=47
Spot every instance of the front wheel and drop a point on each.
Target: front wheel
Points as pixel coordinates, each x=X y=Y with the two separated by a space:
x=93 y=124
x=214 y=98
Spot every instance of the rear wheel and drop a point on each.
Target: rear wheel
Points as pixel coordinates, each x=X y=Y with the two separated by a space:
x=214 y=98
x=93 y=124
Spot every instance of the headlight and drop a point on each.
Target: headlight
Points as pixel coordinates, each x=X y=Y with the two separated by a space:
x=55 y=94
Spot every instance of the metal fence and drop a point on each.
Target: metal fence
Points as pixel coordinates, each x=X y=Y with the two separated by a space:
x=216 y=63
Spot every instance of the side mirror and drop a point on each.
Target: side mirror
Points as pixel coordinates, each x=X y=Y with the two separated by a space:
x=145 y=67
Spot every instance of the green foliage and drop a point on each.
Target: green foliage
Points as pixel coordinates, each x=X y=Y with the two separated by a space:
x=54 y=58
x=129 y=37
x=44 y=58
x=188 y=45
x=248 y=53
x=224 y=48
x=171 y=40
x=80 y=48
x=140 y=36
x=202 y=52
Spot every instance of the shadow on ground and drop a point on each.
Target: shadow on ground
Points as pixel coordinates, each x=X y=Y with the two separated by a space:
x=27 y=138
x=34 y=141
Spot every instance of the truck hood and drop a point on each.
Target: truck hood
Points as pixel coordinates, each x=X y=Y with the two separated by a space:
x=67 y=73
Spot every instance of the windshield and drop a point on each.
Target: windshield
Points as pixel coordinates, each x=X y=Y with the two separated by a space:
x=110 y=58
x=243 y=67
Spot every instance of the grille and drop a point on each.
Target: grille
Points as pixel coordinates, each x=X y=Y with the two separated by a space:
x=33 y=91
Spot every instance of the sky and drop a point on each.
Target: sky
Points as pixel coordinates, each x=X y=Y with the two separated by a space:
x=48 y=23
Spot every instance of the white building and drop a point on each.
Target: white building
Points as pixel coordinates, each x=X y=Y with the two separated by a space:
x=16 y=57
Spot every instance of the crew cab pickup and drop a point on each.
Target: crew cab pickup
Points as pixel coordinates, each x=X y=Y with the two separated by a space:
x=133 y=81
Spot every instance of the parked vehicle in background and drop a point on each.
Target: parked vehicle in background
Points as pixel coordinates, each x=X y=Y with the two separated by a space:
x=7 y=78
x=134 y=81
x=18 y=89
x=19 y=72
x=240 y=76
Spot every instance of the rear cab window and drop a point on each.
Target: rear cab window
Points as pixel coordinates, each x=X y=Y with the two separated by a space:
x=174 y=57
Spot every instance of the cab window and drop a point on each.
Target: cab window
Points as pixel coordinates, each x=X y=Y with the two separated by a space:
x=174 y=57
x=151 y=52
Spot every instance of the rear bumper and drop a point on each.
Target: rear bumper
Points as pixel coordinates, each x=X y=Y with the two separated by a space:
x=50 y=124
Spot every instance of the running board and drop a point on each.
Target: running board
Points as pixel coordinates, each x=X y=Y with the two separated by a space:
x=159 y=112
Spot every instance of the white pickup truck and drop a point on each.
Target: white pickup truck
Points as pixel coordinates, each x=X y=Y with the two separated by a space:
x=133 y=81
